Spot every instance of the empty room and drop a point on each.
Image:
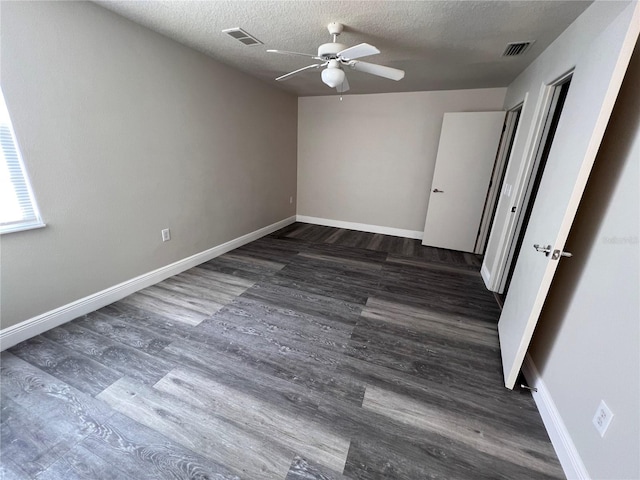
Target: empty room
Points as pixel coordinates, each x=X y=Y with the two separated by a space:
x=319 y=240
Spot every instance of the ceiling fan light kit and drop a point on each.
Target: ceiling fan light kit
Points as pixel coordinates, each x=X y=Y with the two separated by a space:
x=333 y=75
x=336 y=56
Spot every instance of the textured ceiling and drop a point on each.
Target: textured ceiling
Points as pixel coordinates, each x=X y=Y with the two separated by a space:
x=440 y=44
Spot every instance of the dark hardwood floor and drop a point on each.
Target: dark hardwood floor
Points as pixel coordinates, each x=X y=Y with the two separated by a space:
x=312 y=353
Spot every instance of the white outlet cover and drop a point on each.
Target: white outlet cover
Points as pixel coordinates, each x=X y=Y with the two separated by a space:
x=602 y=418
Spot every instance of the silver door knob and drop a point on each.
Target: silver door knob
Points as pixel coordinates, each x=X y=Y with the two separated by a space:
x=546 y=250
x=435 y=190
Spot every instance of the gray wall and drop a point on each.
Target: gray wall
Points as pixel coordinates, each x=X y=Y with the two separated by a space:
x=587 y=344
x=370 y=158
x=125 y=132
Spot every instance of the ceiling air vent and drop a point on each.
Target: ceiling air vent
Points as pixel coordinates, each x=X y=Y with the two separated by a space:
x=242 y=36
x=516 y=48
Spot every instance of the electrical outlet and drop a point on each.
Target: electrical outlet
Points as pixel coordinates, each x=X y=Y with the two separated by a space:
x=602 y=418
x=290 y=199
x=166 y=235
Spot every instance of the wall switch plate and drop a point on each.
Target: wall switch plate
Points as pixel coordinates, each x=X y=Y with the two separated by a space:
x=166 y=235
x=290 y=199
x=602 y=418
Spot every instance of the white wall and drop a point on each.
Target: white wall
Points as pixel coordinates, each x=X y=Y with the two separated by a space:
x=125 y=132
x=369 y=159
x=587 y=346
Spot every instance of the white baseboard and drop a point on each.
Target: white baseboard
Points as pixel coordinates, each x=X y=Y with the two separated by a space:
x=361 y=227
x=560 y=439
x=35 y=326
x=486 y=275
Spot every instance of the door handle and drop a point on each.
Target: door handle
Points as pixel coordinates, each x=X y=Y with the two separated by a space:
x=546 y=250
x=559 y=253
x=556 y=253
x=435 y=190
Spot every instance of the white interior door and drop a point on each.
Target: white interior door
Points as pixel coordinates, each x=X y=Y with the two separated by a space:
x=595 y=84
x=466 y=154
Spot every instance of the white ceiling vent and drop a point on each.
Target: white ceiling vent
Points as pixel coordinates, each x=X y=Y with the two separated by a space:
x=516 y=48
x=242 y=36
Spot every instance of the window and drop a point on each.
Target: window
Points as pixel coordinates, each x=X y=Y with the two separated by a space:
x=18 y=209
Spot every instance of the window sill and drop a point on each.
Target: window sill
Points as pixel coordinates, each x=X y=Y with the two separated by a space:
x=21 y=227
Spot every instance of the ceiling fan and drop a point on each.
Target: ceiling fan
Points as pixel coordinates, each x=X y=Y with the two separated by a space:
x=336 y=56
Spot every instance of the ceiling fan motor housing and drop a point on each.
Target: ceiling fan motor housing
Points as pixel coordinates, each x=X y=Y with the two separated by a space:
x=329 y=51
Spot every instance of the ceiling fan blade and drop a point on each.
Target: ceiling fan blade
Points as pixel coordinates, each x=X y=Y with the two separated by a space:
x=358 y=51
x=284 y=52
x=379 y=70
x=300 y=70
x=344 y=86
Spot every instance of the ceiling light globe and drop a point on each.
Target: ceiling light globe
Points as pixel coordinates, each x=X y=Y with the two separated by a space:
x=333 y=77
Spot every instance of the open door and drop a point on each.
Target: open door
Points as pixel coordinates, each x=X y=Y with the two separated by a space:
x=466 y=155
x=595 y=85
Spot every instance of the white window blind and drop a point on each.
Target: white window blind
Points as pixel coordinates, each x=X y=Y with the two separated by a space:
x=18 y=210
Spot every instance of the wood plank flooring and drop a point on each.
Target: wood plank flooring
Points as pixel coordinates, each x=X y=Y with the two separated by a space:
x=312 y=353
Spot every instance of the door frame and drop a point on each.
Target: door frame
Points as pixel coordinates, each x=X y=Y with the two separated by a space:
x=498 y=272
x=509 y=133
x=531 y=172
